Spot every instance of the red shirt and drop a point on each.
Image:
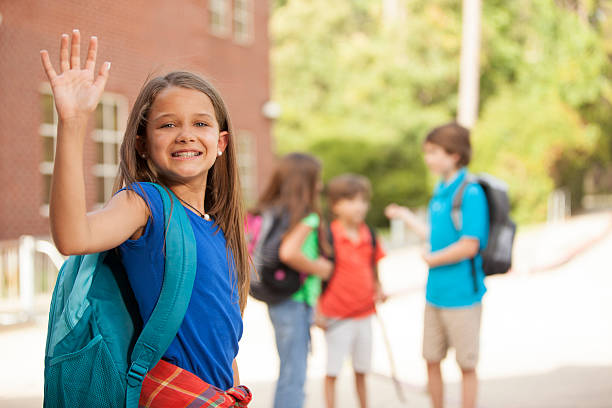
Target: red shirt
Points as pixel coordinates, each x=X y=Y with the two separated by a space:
x=351 y=290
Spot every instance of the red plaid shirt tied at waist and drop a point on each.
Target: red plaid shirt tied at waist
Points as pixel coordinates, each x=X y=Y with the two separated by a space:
x=167 y=385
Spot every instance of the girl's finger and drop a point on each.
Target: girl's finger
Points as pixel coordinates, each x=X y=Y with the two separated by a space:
x=46 y=61
x=100 y=81
x=64 y=57
x=90 y=63
x=75 y=52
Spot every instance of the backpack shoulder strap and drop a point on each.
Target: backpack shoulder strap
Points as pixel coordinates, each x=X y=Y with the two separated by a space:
x=168 y=314
x=456 y=215
x=373 y=235
x=374 y=244
x=330 y=237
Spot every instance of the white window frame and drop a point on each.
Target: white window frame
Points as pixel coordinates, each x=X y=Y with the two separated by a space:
x=47 y=130
x=110 y=139
x=222 y=9
x=246 y=152
x=243 y=12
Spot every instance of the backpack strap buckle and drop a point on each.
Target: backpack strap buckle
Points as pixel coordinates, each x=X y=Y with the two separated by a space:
x=136 y=374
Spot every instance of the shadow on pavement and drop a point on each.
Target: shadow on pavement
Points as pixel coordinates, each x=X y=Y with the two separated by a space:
x=564 y=387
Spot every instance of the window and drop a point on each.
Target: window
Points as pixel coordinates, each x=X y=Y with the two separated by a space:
x=247 y=165
x=48 y=134
x=218 y=16
x=110 y=117
x=243 y=21
x=109 y=125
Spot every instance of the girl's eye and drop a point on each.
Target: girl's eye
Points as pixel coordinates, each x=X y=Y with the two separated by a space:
x=167 y=125
x=201 y=124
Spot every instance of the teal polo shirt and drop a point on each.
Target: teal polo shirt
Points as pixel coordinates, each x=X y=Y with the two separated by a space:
x=452 y=286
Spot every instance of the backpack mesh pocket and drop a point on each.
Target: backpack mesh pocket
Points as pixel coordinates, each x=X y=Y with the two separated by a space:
x=87 y=377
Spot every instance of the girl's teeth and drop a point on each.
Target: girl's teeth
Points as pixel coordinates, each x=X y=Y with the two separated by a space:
x=186 y=154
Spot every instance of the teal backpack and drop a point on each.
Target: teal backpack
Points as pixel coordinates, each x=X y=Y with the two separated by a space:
x=97 y=352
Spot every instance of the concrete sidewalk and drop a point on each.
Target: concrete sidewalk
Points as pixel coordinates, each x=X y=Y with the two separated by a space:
x=546 y=336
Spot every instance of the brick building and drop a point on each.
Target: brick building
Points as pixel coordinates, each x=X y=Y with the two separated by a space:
x=224 y=40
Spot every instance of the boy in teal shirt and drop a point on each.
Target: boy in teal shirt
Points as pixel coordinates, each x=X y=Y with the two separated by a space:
x=454 y=287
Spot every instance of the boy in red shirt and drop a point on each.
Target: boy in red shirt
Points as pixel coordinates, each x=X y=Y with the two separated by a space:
x=348 y=302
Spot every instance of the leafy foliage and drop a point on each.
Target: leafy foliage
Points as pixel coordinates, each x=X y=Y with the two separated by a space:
x=396 y=171
x=360 y=87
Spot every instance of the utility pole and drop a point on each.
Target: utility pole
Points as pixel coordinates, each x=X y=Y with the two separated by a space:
x=469 y=79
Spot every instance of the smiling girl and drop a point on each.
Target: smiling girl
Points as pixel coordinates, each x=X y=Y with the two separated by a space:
x=179 y=135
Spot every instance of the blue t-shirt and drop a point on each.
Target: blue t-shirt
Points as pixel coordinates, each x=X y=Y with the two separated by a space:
x=207 y=340
x=453 y=285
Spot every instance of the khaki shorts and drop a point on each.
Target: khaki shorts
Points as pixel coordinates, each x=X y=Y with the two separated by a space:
x=458 y=328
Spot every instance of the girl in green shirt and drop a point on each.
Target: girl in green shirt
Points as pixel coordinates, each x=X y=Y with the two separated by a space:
x=294 y=188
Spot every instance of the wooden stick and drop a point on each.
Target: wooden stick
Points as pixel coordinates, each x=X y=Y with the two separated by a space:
x=396 y=382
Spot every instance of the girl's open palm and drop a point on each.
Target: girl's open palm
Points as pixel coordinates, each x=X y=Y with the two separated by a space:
x=76 y=91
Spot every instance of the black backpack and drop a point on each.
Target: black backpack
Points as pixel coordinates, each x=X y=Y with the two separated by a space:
x=497 y=256
x=271 y=280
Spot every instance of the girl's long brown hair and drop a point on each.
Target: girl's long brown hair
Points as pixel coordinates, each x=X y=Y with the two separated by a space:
x=294 y=188
x=223 y=199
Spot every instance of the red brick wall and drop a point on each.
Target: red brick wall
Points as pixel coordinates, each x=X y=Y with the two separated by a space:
x=141 y=38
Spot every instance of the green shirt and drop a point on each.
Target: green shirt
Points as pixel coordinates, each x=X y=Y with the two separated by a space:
x=311 y=288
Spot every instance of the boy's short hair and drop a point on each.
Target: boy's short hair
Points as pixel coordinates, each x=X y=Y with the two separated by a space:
x=454 y=139
x=347 y=186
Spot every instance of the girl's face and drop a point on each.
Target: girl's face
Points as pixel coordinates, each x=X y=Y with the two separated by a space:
x=438 y=160
x=183 y=135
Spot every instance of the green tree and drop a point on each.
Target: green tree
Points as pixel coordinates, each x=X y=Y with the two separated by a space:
x=397 y=171
x=361 y=91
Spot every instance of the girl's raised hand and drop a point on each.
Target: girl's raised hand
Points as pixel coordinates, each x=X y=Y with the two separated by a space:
x=76 y=91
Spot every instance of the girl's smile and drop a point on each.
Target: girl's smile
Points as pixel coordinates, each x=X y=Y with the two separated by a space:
x=186 y=154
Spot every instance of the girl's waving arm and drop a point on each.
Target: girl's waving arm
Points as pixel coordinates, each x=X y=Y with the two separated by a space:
x=77 y=93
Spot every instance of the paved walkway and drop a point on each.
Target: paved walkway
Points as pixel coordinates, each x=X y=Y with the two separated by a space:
x=546 y=334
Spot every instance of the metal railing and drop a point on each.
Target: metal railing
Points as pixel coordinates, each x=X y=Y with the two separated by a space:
x=28 y=269
x=9 y=269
